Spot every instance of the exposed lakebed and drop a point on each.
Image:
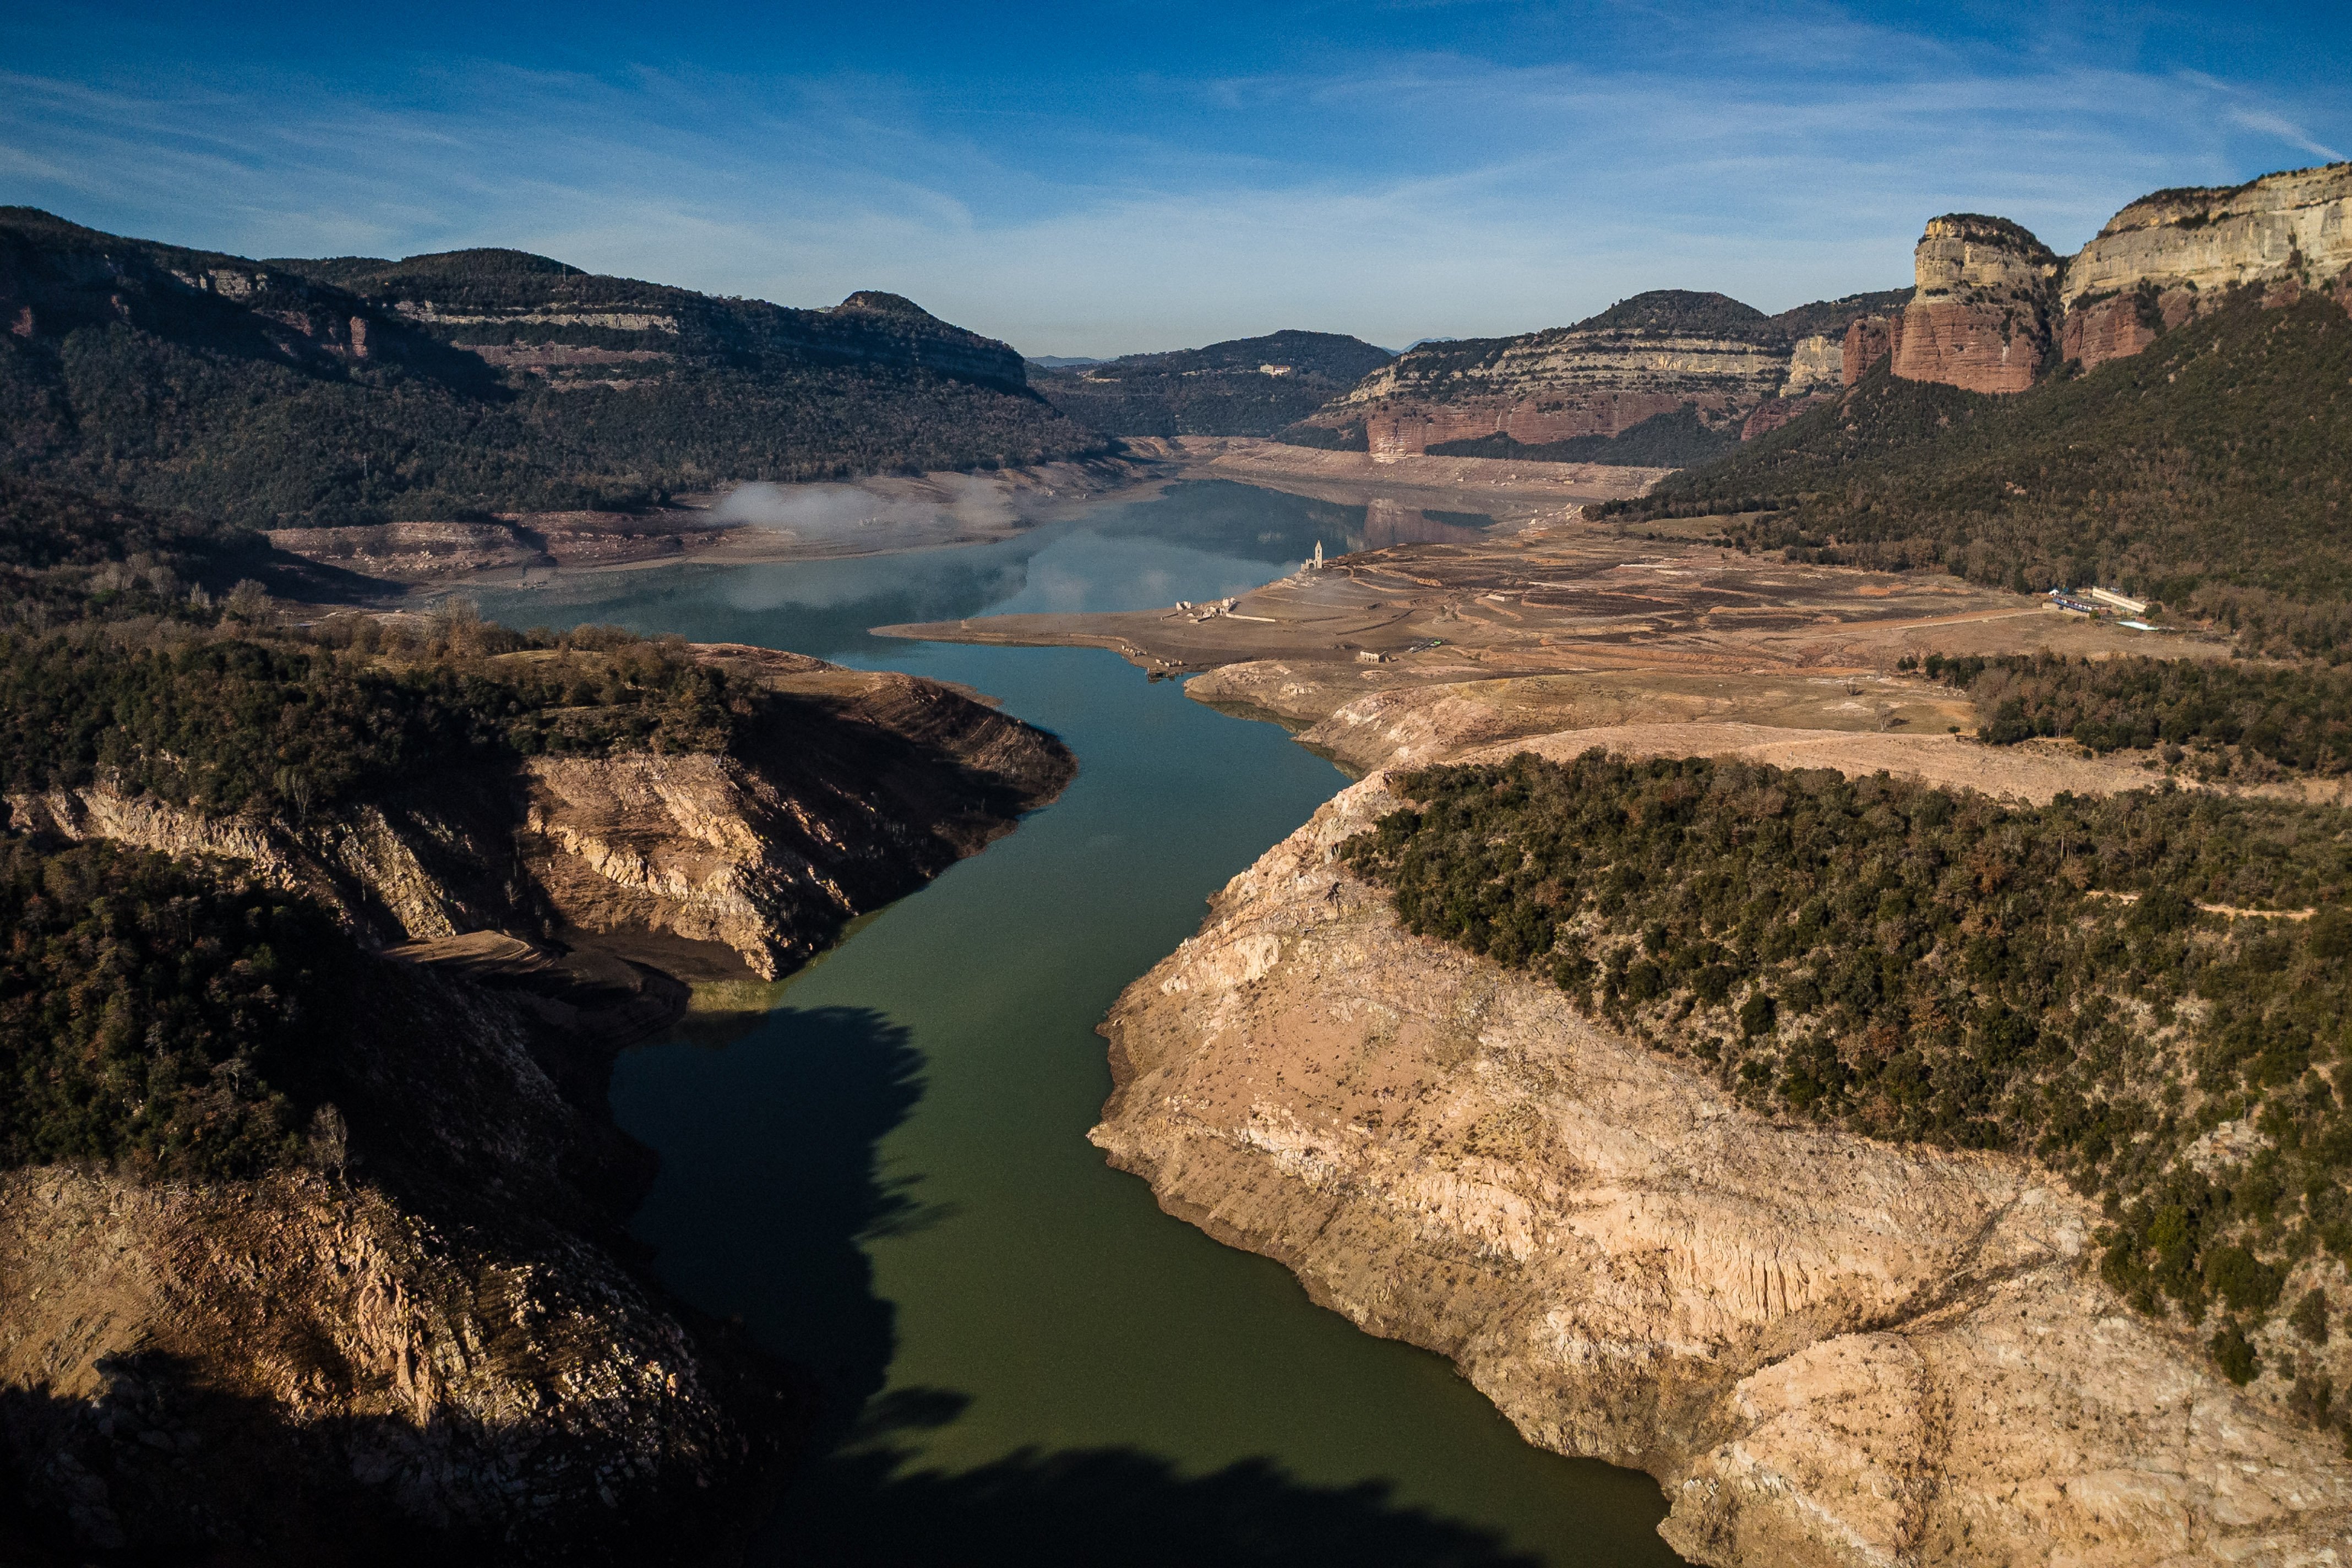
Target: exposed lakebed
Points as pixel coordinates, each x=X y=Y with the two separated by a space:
x=885 y=1173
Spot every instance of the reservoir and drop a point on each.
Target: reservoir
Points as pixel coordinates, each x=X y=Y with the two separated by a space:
x=880 y=1164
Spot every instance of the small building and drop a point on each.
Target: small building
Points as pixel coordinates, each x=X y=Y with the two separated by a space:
x=2128 y=606
x=2066 y=601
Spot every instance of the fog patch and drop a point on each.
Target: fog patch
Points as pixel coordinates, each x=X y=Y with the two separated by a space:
x=885 y=514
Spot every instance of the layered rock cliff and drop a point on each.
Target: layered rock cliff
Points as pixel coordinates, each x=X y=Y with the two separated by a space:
x=1661 y=379
x=1829 y=1350
x=860 y=785
x=1982 y=316
x=425 y=1332
x=1994 y=306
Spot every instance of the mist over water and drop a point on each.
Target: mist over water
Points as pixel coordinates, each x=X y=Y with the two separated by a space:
x=1197 y=540
x=883 y=1169
x=838 y=512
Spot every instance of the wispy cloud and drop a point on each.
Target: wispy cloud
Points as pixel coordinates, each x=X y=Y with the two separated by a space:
x=1391 y=193
x=2285 y=130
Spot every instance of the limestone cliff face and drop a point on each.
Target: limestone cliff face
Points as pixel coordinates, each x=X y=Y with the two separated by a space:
x=2167 y=254
x=2210 y=239
x=1668 y=354
x=1815 y=364
x=1982 y=318
x=1992 y=302
x=1556 y=387
x=1828 y=1351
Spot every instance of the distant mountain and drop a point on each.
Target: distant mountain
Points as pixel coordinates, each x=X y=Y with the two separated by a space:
x=1661 y=380
x=1058 y=361
x=357 y=389
x=1248 y=386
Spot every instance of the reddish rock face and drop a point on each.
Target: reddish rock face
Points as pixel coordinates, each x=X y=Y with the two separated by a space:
x=2111 y=328
x=1982 y=348
x=1869 y=339
x=1981 y=317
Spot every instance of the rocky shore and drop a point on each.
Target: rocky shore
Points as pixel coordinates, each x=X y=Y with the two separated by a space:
x=1828 y=1351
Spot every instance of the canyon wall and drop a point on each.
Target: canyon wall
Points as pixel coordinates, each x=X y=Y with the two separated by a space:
x=1559 y=385
x=1829 y=1350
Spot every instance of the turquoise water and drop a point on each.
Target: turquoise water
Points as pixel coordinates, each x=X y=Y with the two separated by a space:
x=887 y=1177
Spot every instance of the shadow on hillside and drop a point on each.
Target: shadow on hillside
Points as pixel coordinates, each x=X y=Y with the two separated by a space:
x=773 y=1181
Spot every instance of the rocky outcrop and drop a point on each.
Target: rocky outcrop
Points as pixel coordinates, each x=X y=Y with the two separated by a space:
x=1982 y=318
x=2169 y=255
x=1556 y=387
x=1815 y=364
x=419 y=1332
x=2209 y=238
x=1993 y=303
x=1829 y=1350
x=859 y=786
x=1869 y=339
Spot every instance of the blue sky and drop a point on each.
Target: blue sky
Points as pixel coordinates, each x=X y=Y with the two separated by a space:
x=1117 y=177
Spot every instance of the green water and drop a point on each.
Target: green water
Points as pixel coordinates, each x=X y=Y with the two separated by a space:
x=886 y=1176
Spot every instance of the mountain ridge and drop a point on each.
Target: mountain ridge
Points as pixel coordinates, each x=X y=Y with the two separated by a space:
x=457 y=384
x=1242 y=387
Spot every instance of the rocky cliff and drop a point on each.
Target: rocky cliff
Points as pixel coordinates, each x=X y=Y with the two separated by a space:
x=1982 y=316
x=425 y=1333
x=860 y=785
x=1829 y=1350
x=1993 y=303
x=1661 y=379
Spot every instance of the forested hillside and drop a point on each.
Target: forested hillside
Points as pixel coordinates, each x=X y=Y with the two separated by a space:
x=1249 y=386
x=2096 y=982
x=2207 y=472
x=360 y=390
x=2222 y=720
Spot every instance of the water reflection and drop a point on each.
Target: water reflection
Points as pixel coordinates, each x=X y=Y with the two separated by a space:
x=1194 y=540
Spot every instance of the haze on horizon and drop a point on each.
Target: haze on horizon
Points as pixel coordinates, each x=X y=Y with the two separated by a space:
x=1093 y=180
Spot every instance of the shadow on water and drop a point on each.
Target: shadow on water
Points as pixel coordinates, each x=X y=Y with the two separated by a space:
x=848 y=1076
x=1115 y=1507
x=808 y=1191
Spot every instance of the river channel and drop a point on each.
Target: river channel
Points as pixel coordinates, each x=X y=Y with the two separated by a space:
x=880 y=1164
